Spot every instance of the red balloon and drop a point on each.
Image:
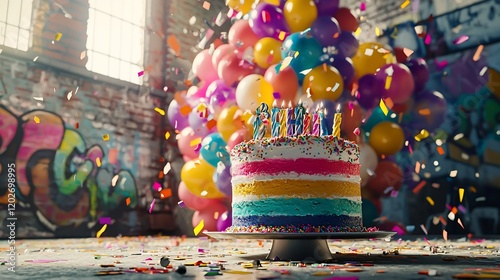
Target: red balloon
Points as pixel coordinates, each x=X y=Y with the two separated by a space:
x=210 y=216
x=352 y=115
x=241 y=35
x=401 y=57
x=387 y=174
x=284 y=82
x=347 y=20
x=232 y=69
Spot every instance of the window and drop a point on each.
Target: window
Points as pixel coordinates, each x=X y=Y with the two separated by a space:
x=15 y=23
x=115 y=42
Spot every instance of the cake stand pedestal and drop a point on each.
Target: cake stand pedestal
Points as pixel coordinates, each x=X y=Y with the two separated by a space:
x=309 y=247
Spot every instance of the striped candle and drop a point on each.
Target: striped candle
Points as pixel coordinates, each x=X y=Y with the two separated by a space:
x=322 y=121
x=282 y=120
x=315 y=123
x=307 y=123
x=299 y=119
x=256 y=123
x=290 y=122
x=275 y=125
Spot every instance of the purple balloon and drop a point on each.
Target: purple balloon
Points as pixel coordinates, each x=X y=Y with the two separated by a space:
x=345 y=67
x=419 y=71
x=326 y=30
x=327 y=7
x=176 y=119
x=401 y=85
x=225 y=220
x=267 y=20
x=223 y=180
x=347 y=44
x=219 y=94
x=434 y=104
x=369 y=91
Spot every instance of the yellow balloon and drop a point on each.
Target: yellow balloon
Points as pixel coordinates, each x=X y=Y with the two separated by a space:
x=248 y=122
x=243 y=6
x=300 y=14
x=323 y=82
x=267 y=51
x=370 y=57
x=252 y=91
x=197 y=174
x=387 y=138
x=229 y=122
x=272 y=2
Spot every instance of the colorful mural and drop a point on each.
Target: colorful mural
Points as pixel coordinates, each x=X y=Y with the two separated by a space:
x=63 y=180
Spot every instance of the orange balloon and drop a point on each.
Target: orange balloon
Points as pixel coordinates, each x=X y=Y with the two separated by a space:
x=387 y=174
x=285 y=83
x=324 y=82
x=352 y=115
x=346 y=19
x=387 y=138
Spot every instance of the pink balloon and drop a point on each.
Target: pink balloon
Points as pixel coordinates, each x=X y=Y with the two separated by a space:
x=184 y=141
x=241 y=35
x=194 y=202
x=198 y=91
x=220 y=53
x=186 y=158
x=203 y=67
x=232 y=69
x=209 y=216
x=401 y=85
x=236 y=138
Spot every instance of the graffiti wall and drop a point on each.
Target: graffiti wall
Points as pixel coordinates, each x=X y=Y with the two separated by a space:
x=84 y=153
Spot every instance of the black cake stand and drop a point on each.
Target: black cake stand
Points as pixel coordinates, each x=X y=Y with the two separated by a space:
x=301 y=246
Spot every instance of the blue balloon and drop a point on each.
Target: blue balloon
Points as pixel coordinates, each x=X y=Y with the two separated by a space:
x=213 y=149
x=304 y=50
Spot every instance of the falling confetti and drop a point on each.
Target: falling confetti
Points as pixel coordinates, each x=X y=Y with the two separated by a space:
x=356 y=131
x=77 y=125
x=206 y=5
x=140 y=73
x=211 y=124
x=460 y=39
x=98 y=162
x=440 y=150
x=36 y=119
x=167 y=135
x=405 y=4
x=362 y=6
x=383 y=107
x=69 y=95
x=423 y=229
x=388 y=82
x=460 y=223
x=430 y=200
x=105 y=220
x=453 y=173
x=195 y=142
x=445 y=235
x=105 y=137
x=422 y=135
x=160 y=111
x=199 y=227
x=114 y=180
x=127 y=201
x=174 y=44
x=83 y=55
x=477 y=54
x=157 y=186
x=167 y=168
x=165 y=193
x=101 y=231
x=427 y=39
x=181 y=204
x=152 y=206
x=185 y=110
x=35 y=59
x=282 y=35
x=58 y=36
x=461 y=192
x=408 y=52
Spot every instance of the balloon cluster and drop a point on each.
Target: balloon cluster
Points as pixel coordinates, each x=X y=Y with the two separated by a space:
x=286 y=51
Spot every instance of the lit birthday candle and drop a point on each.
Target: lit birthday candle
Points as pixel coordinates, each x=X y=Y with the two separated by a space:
x=275 y=125
x=315 y=123
x=290 y=122
x=322 y=121
x=307 y=122
x=283 y=119
x=299 y=118
x=337 y=121
x=256 y=123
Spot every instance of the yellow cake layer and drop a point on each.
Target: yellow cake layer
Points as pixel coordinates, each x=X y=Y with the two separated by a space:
x=298 y=188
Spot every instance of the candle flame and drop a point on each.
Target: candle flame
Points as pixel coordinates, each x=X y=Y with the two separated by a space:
x=274 y=103
x=283 y=104
x=321 y=104
x=300 y=101
x=338 y=108
x=290 y=104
